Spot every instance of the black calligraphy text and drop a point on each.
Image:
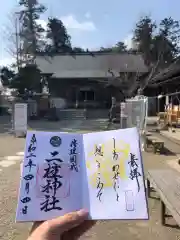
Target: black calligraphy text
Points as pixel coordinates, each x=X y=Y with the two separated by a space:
x=73 y=155
x=134 y=174
x=115 y=170
x=28 y=177
x=98 y=151
x=100 y=184
x=53 y=179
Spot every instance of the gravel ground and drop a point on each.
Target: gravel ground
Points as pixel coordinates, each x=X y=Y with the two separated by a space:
x=152 y=229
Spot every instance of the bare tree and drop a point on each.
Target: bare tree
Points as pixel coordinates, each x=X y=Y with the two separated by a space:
x=10 y=35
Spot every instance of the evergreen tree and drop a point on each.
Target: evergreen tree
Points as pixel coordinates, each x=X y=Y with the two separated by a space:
x=57 y=34
x=31 y=30
x=143 y=37
x=6 y=75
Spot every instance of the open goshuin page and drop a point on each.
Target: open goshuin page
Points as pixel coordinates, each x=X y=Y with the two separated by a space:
x=101 y=172
x=113 y=178
x=51 y=181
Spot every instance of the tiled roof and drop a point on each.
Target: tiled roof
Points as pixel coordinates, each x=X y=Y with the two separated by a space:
x=86 y=65
x=166 y=73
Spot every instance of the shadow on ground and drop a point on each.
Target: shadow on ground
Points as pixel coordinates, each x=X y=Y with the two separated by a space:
x=81 y=126
x=5 y=124
x=168 y=152
x=70 y=125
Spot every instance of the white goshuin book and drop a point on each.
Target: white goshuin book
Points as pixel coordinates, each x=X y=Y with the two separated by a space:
x=101 y=172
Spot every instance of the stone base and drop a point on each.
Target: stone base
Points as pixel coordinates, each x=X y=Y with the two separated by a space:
x=20 y=134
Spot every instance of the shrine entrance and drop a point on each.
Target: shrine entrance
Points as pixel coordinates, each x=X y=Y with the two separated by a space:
x=86 y=95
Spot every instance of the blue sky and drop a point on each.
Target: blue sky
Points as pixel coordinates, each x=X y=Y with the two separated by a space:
x=93 y=23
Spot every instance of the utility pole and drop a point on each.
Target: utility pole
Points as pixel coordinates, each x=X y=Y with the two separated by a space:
x=27 y=36
x=28 y=30
x=17 y=43
x=31 y=28
x=18 y=32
